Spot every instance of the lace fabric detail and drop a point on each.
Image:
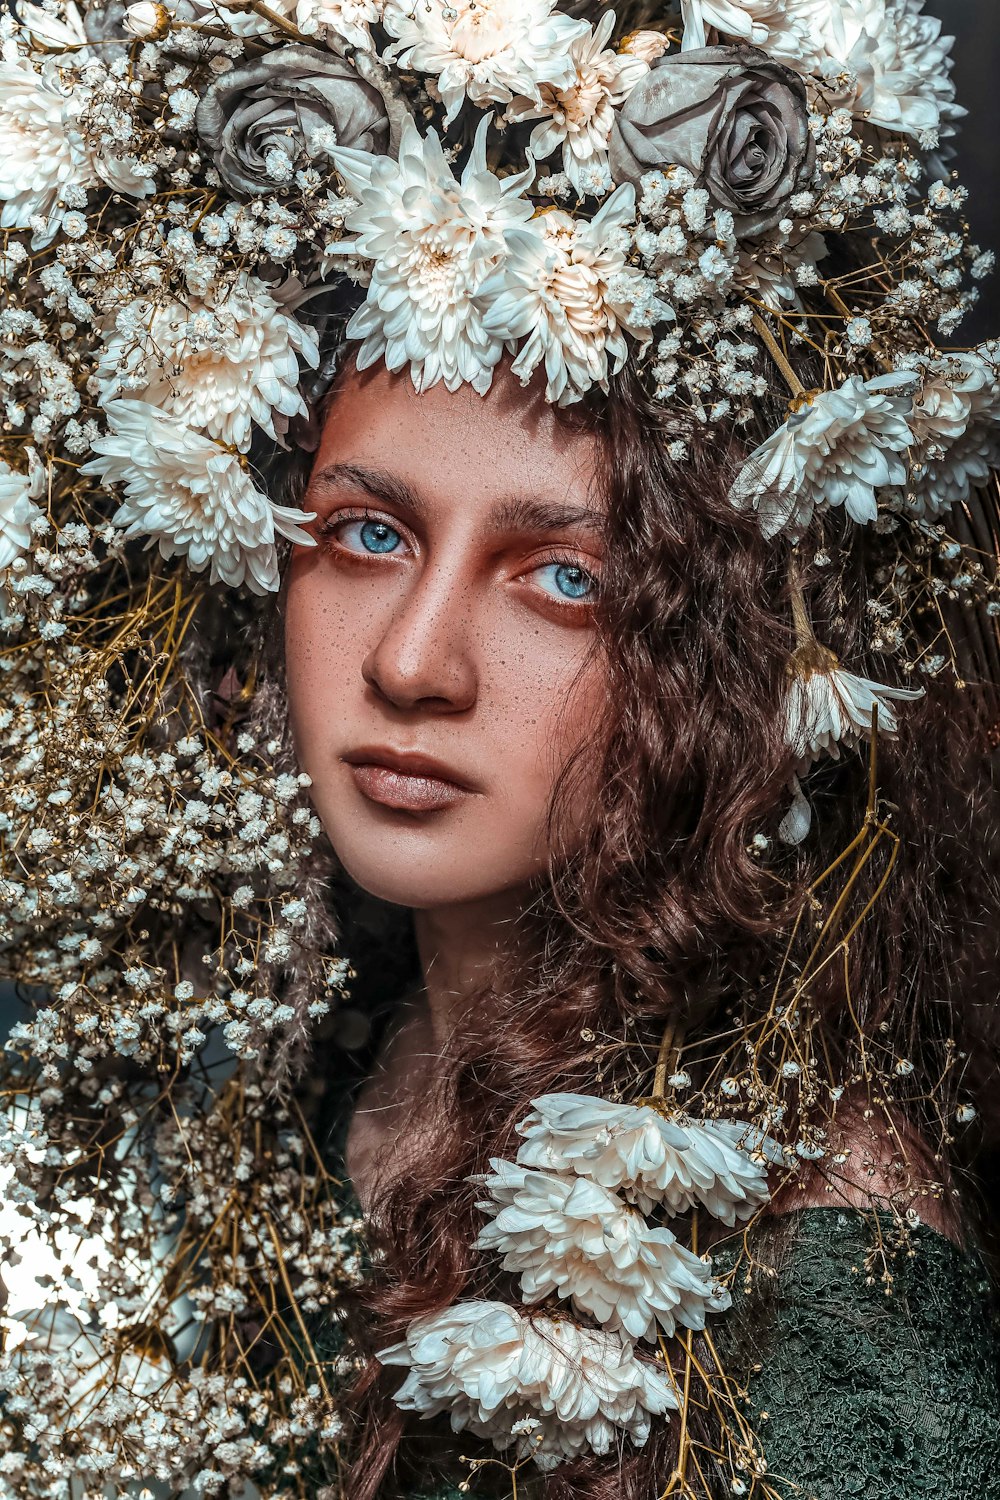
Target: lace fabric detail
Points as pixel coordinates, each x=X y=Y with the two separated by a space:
x=861 y=1385
x=864 y=1388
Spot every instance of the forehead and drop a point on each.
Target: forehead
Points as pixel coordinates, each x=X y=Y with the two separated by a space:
x=459 y=445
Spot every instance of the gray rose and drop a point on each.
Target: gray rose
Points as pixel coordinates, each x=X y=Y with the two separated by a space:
x=733 y=117
x=296 y=101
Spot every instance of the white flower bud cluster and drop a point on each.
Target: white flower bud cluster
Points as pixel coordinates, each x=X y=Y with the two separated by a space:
x=177 y=1247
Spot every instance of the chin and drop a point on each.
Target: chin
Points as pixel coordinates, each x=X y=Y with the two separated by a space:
x=425 y=867
x=424 y=884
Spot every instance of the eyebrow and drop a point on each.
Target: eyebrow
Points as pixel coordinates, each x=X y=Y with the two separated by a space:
x=515 y=513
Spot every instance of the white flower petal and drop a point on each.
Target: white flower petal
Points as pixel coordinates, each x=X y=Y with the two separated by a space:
x=543 y=1385
x=837 y=448
x=192 y=498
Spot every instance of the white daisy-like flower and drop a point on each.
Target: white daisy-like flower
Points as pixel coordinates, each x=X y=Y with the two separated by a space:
x=40 y=151
x=569 y=292
x=546 y=1385
x=62 y=32
x=192 y=498
x=350 y=20
x=220 y=365
x=956 y=428
x=837 y=448
x=654 y=1159
x=90 y=1367
x=19 y=492
x=577 y=113
x=827 y=706
x=486 y=51
x=779 y=26
x=887 y=62
x=433 y=244
x=568 y=1235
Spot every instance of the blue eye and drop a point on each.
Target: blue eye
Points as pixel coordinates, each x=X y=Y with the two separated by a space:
x=570 y=581
x=376 y=536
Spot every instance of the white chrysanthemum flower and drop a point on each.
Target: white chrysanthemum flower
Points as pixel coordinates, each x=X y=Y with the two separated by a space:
x=433 y=244
x=827 y=706
x=674 y=1162
x=577 y=113
x=486 y=51
x=899 y=63
x=192 y=497
x=92 y=1368
x=19 y=491
x=54 y=32
x=554 y=1389
x=775 y=272
x=40 y=151
x=349 y=20
x=779 y=26
x=568 y=290
x=220 y=365
x=956 y=428
x=569 y=1236
x=837 y=448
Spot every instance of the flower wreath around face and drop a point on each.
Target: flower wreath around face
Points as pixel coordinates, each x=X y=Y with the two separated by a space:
x=497 y=177
x=185 y=190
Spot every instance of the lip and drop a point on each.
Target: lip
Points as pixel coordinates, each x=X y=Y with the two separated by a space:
x=406 y=781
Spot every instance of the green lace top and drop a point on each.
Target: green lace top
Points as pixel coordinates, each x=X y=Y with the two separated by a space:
x=856 y=1393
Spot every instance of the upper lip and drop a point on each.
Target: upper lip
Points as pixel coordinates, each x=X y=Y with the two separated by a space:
x=408 y=763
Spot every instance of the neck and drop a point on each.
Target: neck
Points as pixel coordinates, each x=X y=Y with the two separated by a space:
x=459 y=947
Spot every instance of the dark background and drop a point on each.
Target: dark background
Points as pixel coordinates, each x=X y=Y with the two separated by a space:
x=975 y=24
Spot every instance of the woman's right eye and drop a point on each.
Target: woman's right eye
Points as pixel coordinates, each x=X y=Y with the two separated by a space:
x=362 y=534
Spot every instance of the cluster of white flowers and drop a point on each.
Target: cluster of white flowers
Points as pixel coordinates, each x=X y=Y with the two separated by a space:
x=176 y=1254
x=883 y=59
x=186 y=191
x=460 y=269
x=570 y=1219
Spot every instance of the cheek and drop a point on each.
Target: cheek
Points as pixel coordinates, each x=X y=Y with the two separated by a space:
x=540 y=699
x=318 y=659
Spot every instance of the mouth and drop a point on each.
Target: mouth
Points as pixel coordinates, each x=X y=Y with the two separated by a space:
x=405 y=781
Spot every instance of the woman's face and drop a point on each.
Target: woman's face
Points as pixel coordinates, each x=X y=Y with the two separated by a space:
x=440 y=638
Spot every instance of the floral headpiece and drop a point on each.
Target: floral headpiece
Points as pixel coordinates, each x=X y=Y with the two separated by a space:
x=203 y=204
x=194 y=182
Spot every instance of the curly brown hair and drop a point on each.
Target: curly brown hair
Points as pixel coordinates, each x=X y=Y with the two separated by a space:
x=680 y=902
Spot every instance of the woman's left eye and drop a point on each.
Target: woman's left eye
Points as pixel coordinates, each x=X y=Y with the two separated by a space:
x=566 y=581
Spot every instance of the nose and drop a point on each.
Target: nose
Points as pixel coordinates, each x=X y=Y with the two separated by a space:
x=425 y=657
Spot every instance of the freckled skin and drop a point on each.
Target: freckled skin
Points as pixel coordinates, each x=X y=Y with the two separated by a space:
x=458 y=644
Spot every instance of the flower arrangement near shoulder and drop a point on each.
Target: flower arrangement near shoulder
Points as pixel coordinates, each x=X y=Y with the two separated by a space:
x=570 y=1216
x=205 y=207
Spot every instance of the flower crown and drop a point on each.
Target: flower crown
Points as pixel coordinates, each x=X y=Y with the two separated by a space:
x=202 y=205
x=750 y=196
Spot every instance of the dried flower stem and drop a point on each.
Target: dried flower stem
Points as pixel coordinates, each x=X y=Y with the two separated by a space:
x=779 y=356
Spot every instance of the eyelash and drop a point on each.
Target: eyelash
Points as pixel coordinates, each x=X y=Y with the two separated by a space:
x=328 y=529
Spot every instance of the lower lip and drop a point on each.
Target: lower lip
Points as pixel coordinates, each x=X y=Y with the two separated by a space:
x=407 y=793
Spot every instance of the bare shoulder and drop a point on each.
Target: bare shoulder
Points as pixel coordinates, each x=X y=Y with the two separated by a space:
x=875 y=1162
